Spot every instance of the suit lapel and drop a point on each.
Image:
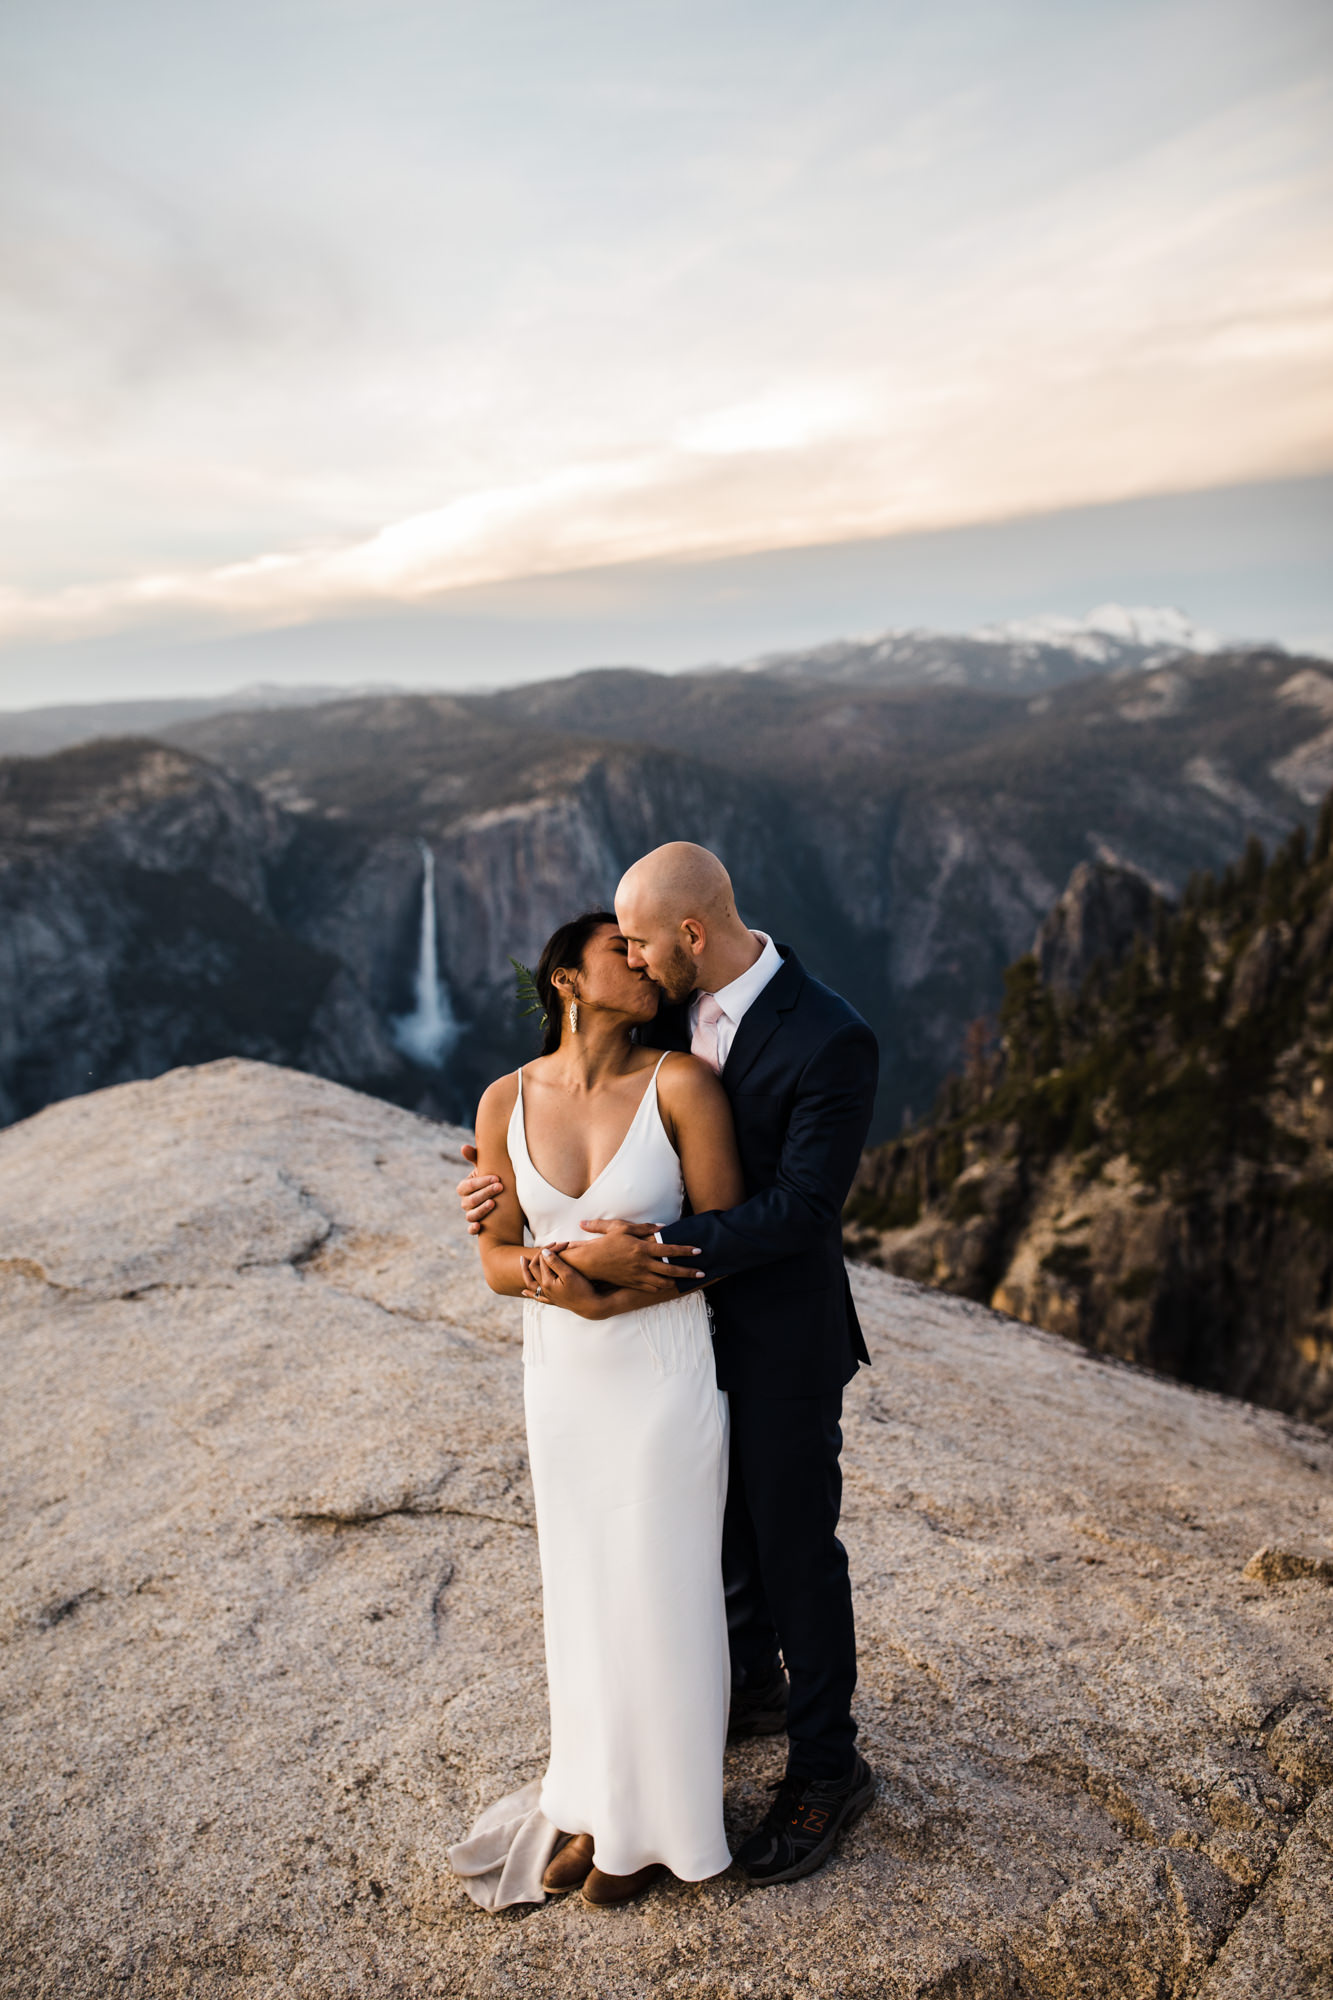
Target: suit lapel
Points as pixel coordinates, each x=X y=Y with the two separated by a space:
x=760 y=1020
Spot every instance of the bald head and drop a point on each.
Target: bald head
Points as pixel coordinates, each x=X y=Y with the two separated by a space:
x=677 y=910
x=677 y=881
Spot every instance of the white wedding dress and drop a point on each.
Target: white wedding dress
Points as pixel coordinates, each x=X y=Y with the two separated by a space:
x=627 y=1439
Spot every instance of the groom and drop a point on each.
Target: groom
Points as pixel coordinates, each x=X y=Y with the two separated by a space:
x=800 y=1068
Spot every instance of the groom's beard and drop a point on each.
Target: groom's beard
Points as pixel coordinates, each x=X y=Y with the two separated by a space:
x=677 y=977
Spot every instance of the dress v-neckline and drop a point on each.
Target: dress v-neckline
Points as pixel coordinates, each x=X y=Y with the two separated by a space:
x=650 y=1088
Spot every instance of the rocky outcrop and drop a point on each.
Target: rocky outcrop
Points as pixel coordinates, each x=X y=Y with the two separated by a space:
x=1226 y=1289
x=1099 y=915
x=270 y=1629
x=1145 y=1162
x=138 y=930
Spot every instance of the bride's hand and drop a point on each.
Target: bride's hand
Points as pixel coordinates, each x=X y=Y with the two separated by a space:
x=549 y=1278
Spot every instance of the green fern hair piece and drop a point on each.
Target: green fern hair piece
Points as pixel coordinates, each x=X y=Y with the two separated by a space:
x=526 y=988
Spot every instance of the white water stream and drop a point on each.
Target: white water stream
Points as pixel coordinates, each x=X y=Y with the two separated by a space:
x=429 y=1032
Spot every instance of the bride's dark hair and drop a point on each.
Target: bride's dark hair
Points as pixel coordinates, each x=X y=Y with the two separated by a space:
x=564 y=947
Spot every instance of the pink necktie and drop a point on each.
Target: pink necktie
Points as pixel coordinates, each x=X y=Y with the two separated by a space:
x=703 y=1042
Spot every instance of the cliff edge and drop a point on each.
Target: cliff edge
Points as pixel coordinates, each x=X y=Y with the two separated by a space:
x=271 y=1627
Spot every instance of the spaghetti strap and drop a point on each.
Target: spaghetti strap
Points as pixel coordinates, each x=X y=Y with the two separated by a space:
x=516 y=1135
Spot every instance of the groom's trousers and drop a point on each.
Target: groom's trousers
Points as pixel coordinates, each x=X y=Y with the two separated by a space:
x=785 y=1571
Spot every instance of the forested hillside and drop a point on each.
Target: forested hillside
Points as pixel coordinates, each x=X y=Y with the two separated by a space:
x=1142 y=1158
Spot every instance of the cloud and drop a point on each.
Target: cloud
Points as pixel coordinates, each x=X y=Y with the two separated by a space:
x=578 y=517
x=422 y=301
x=770 y=423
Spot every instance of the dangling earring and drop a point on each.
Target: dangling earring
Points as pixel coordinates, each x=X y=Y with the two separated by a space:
x=573 y=1017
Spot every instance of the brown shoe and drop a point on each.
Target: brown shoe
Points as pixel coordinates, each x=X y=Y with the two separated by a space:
x=570 y=1866
x=605 y=1891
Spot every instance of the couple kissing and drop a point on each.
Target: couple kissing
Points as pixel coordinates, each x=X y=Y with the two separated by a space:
x=662 y=1187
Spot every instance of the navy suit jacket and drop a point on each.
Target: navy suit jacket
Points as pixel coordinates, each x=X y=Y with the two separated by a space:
x=801 y=1076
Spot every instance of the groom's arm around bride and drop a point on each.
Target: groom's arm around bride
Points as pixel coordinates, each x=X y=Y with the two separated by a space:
x=802 y=1125
x=800 y=1068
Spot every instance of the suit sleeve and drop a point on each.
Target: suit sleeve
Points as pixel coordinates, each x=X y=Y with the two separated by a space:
x=825 y=1134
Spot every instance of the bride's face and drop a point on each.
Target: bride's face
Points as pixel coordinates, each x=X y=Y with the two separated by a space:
x=608 y=980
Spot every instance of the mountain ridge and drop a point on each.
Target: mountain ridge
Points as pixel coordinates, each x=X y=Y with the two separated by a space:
x=906 y=841
x=1022 y=654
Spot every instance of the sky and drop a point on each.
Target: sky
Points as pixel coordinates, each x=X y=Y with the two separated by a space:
x=419 y=338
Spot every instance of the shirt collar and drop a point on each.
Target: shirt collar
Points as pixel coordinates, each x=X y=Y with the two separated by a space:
x=735 y=998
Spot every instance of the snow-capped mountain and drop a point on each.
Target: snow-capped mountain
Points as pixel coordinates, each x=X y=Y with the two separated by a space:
x=1019 y=656
x=1154 y=627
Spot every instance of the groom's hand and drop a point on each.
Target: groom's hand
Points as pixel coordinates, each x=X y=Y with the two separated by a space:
x=477 y=1193
x=628 y=1254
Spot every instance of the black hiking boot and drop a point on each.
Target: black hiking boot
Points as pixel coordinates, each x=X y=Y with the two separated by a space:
x=797 y=1833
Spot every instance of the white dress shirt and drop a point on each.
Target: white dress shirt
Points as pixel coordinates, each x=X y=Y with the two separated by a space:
x=740 y=995
x=735 y=1000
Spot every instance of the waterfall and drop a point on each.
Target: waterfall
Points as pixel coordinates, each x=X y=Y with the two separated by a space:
x=429 y=1032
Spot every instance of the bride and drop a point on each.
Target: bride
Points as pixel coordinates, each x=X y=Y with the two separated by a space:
x=627 y=1440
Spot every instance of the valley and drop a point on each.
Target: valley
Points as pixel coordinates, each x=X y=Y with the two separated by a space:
x=906 y=840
